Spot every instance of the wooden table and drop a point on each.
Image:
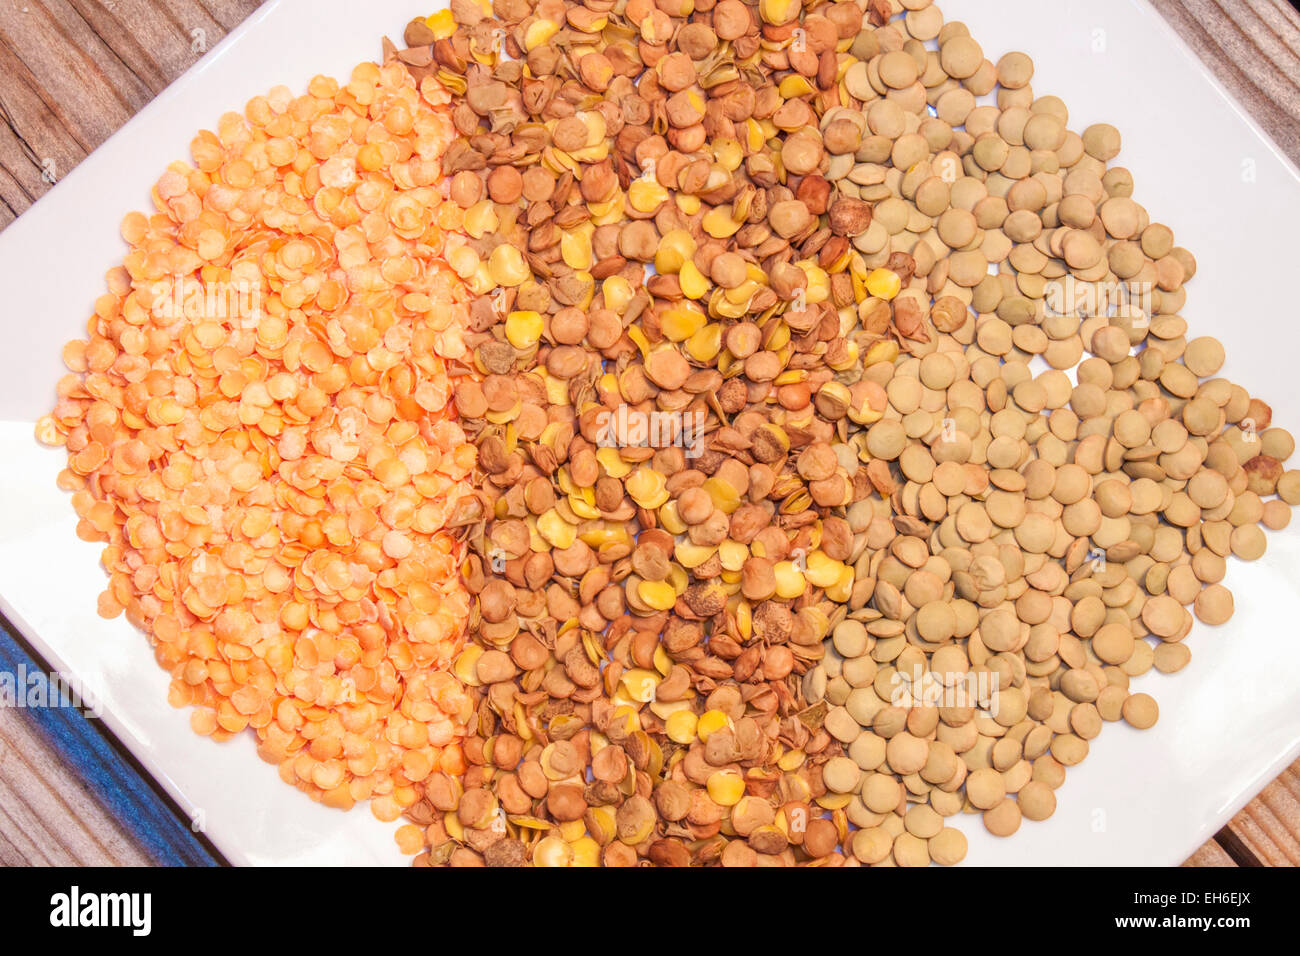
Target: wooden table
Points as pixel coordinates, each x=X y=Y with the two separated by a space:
x=73 y=71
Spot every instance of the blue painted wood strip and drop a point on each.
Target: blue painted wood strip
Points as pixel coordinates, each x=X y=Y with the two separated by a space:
x=112 y=774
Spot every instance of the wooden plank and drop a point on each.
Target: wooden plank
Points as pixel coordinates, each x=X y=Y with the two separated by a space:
x=10 y=855
x=19 y=847
x=230 y=13
x=1269 y=826
x=1210 y=855
x=172 y=34
x=14 y=197
x=34 y=779
x=73 y=71
x=1253 y=47
x=43 y=135
x=70 y=795
x=92 y=28
x=112 y=34
x=56 y=66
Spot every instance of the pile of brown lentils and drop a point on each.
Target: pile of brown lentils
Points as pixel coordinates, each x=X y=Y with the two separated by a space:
x=797 y=540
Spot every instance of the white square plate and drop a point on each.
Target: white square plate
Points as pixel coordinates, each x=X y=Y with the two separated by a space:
x=1229 y=722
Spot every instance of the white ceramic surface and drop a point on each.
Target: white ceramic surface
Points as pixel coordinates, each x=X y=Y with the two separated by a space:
x=1229 y=722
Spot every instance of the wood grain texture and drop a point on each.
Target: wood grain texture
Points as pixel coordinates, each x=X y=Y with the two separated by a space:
x=1253 y=46
x=1210 y=855
x=73 y=71
x=46 y=815
x=68 y=795
x=1269 y=826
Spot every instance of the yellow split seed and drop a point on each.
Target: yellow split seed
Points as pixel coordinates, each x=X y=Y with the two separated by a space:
x=726 y=787
x=692 y=281
x=884 y=283
x=659 y=595
x=710 y=722
x=680 y=727
x=524 y=329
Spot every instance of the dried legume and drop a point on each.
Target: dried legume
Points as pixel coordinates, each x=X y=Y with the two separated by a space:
x=278 y=485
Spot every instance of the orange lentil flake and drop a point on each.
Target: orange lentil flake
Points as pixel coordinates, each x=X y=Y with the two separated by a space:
x=276 y=468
